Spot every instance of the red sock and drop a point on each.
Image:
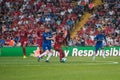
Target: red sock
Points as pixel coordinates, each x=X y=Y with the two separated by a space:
x=61 y=54
x=39 y=52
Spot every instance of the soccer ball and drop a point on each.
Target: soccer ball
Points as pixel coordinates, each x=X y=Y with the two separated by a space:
x=64 y=59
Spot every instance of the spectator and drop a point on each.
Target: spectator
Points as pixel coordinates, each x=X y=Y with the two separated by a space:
x=106 y=17
x=91 y=7
x=11 y=43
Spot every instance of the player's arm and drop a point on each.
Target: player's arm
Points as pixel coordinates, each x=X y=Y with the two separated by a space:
x=96 y=38
x=53 y=33
x=52 y=38
x=19 y=39
x=37 y=36
x=105 y=40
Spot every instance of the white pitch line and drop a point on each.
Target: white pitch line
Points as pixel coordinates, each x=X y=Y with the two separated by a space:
x=96 y=63
x=116 y=62
x=66 y=64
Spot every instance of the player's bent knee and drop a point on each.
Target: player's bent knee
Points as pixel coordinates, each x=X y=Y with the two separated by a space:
x=47 y=51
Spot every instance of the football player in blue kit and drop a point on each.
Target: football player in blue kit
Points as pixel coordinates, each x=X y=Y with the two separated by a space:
x=99 y=38
x=46 y=45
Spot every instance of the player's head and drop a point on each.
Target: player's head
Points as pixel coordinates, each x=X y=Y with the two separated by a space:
x=47 y=29
x=42 y=27
x=61 y=33
x=101 y=32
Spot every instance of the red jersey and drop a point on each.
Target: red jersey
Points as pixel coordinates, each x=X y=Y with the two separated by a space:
x=39 y=40
x=59 y=39
x=58 y=43
x=23 y=36
x=40 y=33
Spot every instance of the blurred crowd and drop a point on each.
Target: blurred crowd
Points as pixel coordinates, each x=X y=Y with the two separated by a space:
x=105 y=17
x=30 y=15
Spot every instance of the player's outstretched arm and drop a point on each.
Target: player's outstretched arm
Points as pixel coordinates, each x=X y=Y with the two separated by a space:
x=106 y=41
x=50 y=38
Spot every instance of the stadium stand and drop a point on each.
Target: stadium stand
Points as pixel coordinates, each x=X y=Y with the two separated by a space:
x=107 y=17
x=16 y=15
x=30 y=14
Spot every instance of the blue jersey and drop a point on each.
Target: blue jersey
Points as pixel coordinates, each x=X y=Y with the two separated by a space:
x=45 y=36
x=47 y=43
x=99 y=38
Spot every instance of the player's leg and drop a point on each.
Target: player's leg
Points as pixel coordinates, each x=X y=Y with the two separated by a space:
x=95 y=53
x=56 y=48
x=45 y=51
x=50 y=53
x=62 y=55
x=103 y=52
x=24 y=48
x=41 y=50
x=43 y=54
x=61 y=52
x=101 y=46
x=40 y=47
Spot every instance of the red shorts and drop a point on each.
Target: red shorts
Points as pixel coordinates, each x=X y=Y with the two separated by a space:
x=57 y=47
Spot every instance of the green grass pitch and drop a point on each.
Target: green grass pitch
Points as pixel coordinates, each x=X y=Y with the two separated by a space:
x=76 y=68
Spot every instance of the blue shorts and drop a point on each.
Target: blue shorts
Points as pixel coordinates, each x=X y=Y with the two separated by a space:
x=46 y=47
x=98 y=46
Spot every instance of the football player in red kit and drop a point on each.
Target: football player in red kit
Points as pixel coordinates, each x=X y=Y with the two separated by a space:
x=58 y=45
x=39 y=37
x=24 y=41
